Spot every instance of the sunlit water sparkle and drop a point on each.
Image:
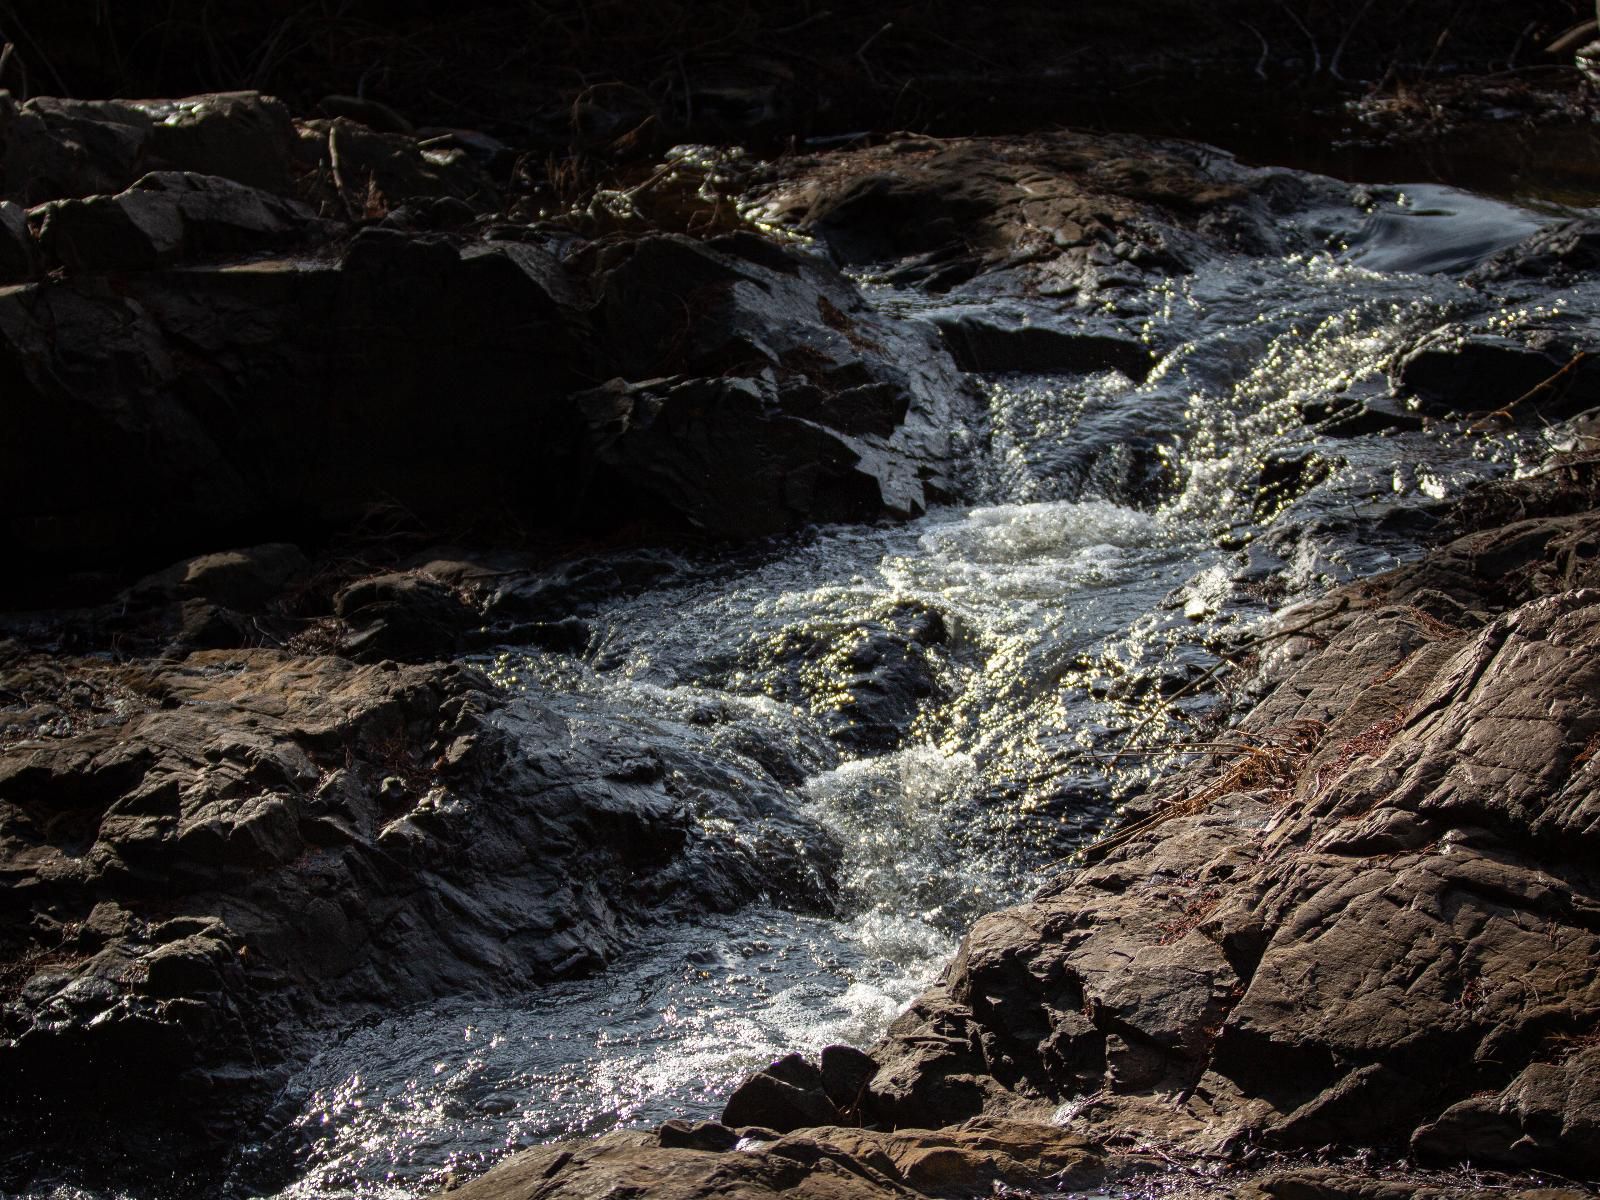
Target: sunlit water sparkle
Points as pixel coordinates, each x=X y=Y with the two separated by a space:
x=1070 y=606
x=1076 y=604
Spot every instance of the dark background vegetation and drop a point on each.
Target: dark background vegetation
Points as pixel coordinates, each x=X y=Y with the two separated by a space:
x=657 y=71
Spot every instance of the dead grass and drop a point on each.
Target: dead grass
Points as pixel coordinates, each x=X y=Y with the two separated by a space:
x=1563 y=1047
x=393 y=753
x=1370 y=743
x=324 y=636
x=525 y=63
x=1192 y=916
x=16 y=973
x=1269 y=762
x=1431 y=626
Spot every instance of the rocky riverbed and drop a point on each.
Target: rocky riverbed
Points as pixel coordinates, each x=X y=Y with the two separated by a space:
x=1055 y=434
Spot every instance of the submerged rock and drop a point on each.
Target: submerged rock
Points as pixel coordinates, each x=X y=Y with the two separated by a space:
x=865 y=682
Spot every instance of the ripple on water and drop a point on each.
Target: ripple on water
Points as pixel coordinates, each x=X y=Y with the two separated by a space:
x=400 y=1104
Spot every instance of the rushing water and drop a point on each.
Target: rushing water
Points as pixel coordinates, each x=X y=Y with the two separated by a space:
x=1116 y=527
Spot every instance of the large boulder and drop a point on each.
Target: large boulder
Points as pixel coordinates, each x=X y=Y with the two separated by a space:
x=1066 y=213
x=758 y=391
x=283 y=393
x=53 y=149
x=243 y=136
x=66 y=149
x=446 y=380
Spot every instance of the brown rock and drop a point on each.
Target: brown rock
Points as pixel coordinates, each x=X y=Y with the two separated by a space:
x=1070 y=212
x=1392 y=891
x=787 y=1095
x=696 y=1135
x=846 y=1072
x=978 y=1158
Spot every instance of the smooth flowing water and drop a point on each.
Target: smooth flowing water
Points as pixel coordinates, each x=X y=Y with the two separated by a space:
x=1116 y=528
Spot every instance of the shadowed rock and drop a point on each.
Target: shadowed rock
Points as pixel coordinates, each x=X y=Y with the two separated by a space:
x=168 y=217
x=69 y=149
x=978 y=345
x=207 y=859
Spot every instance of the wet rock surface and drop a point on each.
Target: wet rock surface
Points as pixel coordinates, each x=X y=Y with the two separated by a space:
x=207 y=858
x=1363 y=920
x=1384 y=882
x=867 y=683
x=245 y=801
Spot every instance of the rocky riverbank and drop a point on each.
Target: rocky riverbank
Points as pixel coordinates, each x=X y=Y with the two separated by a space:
x=1364 y=919
x=256 y=796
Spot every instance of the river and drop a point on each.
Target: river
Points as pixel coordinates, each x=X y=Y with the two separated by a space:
x=946 y=697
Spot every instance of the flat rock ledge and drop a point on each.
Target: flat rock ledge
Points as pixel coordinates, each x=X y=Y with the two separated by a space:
x=1366 y=922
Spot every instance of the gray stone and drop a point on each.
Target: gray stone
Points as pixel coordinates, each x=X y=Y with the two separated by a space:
x=68 y=149
x=168 y=217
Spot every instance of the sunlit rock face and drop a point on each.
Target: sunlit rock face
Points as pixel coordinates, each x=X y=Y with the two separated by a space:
x=1064 y=214
x=1360 y=886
